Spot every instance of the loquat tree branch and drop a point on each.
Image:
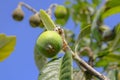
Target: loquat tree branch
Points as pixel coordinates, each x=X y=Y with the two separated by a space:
x=79 y=60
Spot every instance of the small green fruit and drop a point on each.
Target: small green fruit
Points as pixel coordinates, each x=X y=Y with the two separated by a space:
x=35 y=21
x=60 y=12
x=18 y=14
x=49 y=43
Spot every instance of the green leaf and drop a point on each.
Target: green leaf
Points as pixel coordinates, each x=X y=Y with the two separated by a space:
x=96 y=2
x=66 y=67
x=112 y=74
x=58 y=69
x=108 y=59
x=96 y=35
x=112 y=3
x=78 y=75
x=47 y=21
x=116 y=42
x=110 y=12
x=102 y=62
x=51 y=70
x=7 y=44
x=61 y=22
x=40 y=60
x=85 y=31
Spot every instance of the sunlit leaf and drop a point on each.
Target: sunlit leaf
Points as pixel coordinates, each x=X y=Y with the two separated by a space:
x=116 y=42
x=111 y=11
x=7 y=44
x=47 y=21
x=40 y=60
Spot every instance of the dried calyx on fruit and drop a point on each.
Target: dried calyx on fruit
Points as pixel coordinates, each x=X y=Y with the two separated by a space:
x=60 y=12
x=49 y=43
x=18 y=14
x=35 y=21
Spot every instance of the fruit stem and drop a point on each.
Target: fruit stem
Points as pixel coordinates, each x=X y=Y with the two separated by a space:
x=49 y=11
x=28 y=7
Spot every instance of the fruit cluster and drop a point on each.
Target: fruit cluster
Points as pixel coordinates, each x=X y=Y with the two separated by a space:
x=34 y=20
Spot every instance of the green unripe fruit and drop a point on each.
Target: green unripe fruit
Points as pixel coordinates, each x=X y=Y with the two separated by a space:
x=35 y=21
x=18 y=14
x=60 y=12
x=49 y=43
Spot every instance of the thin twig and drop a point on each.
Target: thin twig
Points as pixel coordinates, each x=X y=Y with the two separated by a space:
x=90 y=54
x=28 y=7
x=49 y=10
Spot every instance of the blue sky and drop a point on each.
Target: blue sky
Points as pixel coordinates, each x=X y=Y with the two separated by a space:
x=20 y=64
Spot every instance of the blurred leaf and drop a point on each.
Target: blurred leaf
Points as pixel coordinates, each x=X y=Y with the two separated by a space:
x=78 y=75
x=58 y=69
x=116 y=42
x=61 y=22
x=40 y=60
x=47 y=21
x=85 y=31
x=96 y=2
x=108 y=59
x=96 y=35
x=103 y=53
x=112 y=74
x=101 y=63
x=112 y=3
x=110 y=12
x=66 y=67
x=70 y=38
x=7 y=44
x=67 y=2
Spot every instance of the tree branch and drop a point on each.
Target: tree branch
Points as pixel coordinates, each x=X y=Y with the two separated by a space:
x=78 y=59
